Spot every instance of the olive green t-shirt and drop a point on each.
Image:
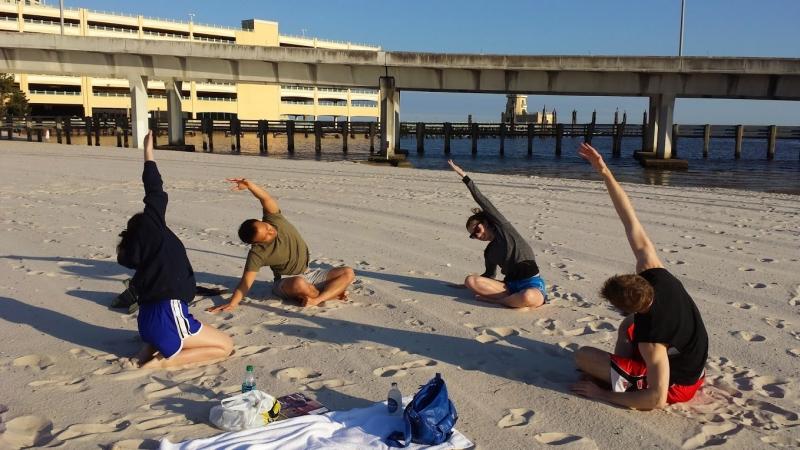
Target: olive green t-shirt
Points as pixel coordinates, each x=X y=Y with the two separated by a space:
x=286 y=255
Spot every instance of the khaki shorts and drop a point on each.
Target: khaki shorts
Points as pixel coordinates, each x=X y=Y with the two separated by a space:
x=316 y=277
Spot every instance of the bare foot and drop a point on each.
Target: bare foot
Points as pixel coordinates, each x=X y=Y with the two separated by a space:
x=344 y=296
x=155 y=362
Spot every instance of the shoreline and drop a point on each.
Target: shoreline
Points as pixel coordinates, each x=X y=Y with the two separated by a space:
x=402 y=231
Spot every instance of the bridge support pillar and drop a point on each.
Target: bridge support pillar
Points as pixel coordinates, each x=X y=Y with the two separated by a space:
x=139 y=110
x=175 y=113
x=663 y=129
x=390 y=117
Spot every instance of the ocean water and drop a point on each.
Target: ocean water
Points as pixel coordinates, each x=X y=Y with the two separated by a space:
x=752 y=172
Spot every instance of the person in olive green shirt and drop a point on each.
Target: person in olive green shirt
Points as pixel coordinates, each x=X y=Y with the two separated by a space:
x=276 y=243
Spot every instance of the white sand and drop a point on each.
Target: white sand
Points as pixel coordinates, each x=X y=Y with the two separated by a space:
x=403 y=231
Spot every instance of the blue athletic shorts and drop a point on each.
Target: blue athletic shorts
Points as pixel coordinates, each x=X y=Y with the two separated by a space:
x=165 y=325
x=535 y=282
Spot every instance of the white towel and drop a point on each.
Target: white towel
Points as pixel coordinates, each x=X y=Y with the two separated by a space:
x=355 y=429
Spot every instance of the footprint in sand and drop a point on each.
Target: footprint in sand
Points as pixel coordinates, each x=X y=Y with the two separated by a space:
x=795 y=299
x=777 y=323
x=743 y=305
x=516 y=417
x=794 y=352
x=568 y=346
x=156 y=423
x=329 y=384
x=86 y=429
x=746 y=269
x=28 y=431
x=781 y=441
x=403 y=369
x=293 y=374
x=40 y=362
x=767 y=260
x=495 y=334
x=748 y=336
x=756 y=285
x=249 y=350
x=565 y=441
x=712 y=435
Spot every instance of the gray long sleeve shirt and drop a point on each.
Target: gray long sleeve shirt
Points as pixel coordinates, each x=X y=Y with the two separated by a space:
x=508 y=249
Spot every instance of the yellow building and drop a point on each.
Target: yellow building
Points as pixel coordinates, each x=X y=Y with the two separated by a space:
x=84 y=96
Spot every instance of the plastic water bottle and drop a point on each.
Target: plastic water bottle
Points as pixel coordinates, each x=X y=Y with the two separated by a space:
x=249 y=382
x=395 y=400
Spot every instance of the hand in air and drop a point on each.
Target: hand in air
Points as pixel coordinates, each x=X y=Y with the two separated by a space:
x=591 y=154
x=221 y=308
x=457 y=169
x=239 y=184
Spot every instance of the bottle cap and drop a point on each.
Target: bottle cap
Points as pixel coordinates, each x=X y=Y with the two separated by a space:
x=249 y=368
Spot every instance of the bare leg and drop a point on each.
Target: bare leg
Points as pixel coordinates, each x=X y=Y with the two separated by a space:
x=493 y=291
x=594 y=362
x=207 y=346
x=335 y=287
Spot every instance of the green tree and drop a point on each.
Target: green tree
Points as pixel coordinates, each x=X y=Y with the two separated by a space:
x=12 y=100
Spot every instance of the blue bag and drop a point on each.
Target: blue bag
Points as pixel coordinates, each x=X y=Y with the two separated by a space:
x=429 y=418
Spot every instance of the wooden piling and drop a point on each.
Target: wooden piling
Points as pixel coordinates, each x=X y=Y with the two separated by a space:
x=771 y=138
x=262 y=136
x=420 y=137
x=96 y=126
x=448 y=130
x=68 y=130
x=118 y=131
x=345 y=133
x=559 y=137
x=502 y=139
x=530 y=132
x=29 y=129
x=59 y=129
x=290 y=136
x=87 y=123
x=317 y=137
x=739 y=137
x=474 y=130
x=706 y=139
x=372 y=137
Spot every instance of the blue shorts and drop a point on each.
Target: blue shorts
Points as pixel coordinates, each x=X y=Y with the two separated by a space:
x=534 y=282
x=165 y=325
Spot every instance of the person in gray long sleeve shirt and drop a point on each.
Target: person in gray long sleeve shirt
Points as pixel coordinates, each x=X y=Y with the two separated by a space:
x=523 y=286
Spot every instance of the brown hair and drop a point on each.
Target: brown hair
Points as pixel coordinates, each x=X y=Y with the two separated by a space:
x=630 y=293
x=477 y=216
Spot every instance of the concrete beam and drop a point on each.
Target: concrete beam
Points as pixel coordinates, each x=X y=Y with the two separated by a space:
x=390 y=117
x=138 y=110
x=666 y=107
x=175 y=112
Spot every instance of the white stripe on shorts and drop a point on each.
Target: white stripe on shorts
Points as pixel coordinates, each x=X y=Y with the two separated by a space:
x=181 y=323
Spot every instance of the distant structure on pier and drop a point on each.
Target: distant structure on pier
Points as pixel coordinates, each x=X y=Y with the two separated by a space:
x=517 y=111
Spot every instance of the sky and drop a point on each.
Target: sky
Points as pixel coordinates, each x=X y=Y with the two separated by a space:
x=765 y=28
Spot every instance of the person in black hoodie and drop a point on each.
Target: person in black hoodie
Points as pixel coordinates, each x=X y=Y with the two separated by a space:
x=165 y=283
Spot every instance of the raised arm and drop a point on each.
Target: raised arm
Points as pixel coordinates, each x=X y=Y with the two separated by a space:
x=155 y=199
x=480 y=199
x=267 y=202
x=643 y=249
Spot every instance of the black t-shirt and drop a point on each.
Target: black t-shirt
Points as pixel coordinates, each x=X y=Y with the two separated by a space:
x=673 y=320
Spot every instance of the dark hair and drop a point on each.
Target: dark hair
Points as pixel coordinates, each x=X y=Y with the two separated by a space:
x=477 y=216
x=630 y=293
x=127 y=248
x=247 y=231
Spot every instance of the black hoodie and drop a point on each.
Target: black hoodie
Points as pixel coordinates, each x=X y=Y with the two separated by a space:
x=163 y=271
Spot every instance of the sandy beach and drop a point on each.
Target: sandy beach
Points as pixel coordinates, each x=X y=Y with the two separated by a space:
x=402 y=230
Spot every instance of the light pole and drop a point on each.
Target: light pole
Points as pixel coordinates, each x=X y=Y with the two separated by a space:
x=680 y=45
x=62 y=16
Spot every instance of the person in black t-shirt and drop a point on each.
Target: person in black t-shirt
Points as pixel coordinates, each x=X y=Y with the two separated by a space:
x=165 y=283
x=662 y=347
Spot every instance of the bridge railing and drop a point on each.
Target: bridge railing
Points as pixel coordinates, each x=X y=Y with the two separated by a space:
x=92 y=128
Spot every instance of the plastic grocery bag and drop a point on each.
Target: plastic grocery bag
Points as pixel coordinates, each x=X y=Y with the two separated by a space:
x=249 y=410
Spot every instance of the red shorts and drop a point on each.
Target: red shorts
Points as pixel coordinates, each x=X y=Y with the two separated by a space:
x=630 y=374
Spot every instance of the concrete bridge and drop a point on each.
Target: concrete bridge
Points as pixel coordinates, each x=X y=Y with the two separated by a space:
x=661 y=79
